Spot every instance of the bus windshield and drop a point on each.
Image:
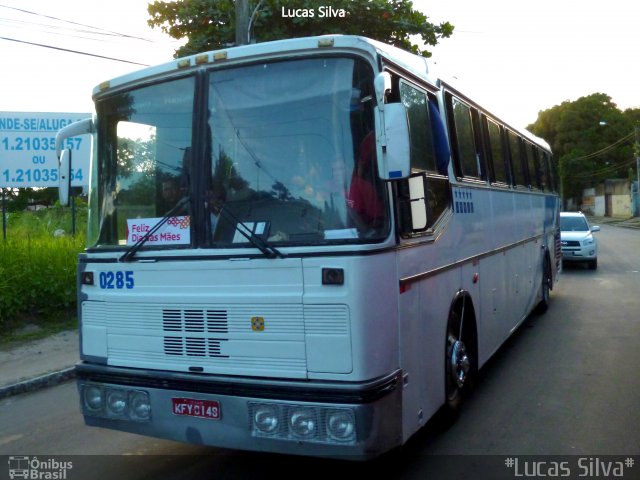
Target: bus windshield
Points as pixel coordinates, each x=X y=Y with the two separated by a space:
x=283 y=150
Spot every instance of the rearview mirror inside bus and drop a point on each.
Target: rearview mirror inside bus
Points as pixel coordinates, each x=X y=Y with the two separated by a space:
x=392 y=141
x=64 y=176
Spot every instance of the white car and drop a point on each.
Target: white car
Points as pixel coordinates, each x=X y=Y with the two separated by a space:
x=578 y=242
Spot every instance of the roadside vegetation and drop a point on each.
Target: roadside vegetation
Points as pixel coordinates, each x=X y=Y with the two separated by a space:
x=37 y=272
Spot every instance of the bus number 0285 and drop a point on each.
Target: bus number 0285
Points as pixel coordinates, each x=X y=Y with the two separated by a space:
x=116 y=280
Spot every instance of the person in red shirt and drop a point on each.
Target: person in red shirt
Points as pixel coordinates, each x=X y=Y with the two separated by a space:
x=363 y=197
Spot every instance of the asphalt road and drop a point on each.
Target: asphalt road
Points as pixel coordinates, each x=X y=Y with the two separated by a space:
x=566 y=383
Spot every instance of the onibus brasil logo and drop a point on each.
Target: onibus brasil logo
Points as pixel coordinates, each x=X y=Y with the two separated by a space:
x=38 y=469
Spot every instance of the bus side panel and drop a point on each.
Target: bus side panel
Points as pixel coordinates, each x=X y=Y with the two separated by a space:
x=423 y=318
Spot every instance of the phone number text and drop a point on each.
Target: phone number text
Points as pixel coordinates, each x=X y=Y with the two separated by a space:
x=27 y=175
x=39 y=144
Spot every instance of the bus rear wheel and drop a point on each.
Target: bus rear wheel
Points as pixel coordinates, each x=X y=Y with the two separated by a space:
x=459 y=364
x=545 y=288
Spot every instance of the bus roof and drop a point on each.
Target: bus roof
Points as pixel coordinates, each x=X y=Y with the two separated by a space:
x=412 y=63
x=289 y=47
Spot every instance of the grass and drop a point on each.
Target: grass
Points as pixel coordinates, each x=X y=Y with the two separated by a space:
x=38 y=273
x=26 y=328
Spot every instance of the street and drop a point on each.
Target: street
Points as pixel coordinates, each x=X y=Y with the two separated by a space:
x=566 y=383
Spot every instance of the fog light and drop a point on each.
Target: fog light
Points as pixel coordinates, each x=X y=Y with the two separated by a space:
x=341 y=425
x=266 y=419
x=303 y=422
x=93 y=397
x=116 y=402
x=140 y=405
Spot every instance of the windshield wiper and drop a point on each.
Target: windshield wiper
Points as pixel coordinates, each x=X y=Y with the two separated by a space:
x=261 y=244
x=133 y=249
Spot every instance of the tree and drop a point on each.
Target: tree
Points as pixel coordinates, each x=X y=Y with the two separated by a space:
x=591 y=139
x=210 y=24
x=18 y=199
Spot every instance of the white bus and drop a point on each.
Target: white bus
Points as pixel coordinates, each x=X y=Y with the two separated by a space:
x=307 y=246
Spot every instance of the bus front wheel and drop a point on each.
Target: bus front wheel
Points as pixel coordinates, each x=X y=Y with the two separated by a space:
x=459 y=363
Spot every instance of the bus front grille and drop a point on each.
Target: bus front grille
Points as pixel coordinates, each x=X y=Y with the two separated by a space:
x=195 y=320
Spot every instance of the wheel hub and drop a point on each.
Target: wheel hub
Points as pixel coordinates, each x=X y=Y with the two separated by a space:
x=460 y=363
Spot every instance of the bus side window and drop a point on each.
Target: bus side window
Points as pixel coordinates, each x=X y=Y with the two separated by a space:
x=517 y=164
x=543 y=168
x=423 y=156
x=429 y=150
x=553 y=167
x=549 y=172
x=534 y=167
x=463 y=128
x=495 y=148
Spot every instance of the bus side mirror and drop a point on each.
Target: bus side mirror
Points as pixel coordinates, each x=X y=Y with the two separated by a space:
x=414 y=215
x=382 y=85
x=392 y=141
x=81 y=127
x=64 y=176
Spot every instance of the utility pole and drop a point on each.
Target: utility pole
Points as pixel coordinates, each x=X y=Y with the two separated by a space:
x=636 y=150
x=242 y=22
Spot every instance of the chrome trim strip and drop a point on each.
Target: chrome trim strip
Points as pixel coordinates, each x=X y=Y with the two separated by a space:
x=459 y=263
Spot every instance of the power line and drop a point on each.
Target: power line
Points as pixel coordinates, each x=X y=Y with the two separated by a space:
x=55 y=30
x=73 y=51
x=111 y=32
x=607 y=169
x=50 y=28
x=605 y=149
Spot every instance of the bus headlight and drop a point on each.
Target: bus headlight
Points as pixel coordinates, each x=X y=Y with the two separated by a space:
x=117 y=402
x=266 y=419
x=303 y=422
x=140 y=405
x=341 y=425
x=105 y=401
x=93 y=397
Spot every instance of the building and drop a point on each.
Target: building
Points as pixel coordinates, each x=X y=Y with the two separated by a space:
x=613 y=198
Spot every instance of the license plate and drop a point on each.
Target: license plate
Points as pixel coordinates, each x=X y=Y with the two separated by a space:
x=190 y=407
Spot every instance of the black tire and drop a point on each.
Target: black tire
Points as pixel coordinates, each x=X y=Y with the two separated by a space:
x=545 y=288
x=460 y=364
x=593 y=264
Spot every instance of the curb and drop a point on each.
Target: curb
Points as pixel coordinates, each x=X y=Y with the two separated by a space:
x=38 y=383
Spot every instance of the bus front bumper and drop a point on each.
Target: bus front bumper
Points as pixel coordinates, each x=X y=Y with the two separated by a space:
x=347 y=420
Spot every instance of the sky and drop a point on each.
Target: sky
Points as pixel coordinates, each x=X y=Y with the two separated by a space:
x=524 y=56
x=38 y=79
x=515 y=57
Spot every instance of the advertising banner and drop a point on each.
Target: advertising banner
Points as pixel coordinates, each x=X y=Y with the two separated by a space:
x=28 y=149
